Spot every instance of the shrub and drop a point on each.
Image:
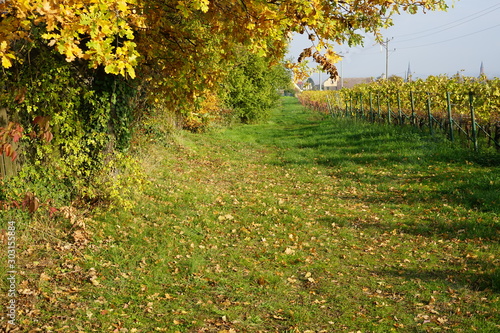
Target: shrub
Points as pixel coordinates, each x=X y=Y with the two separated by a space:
x=252 y=87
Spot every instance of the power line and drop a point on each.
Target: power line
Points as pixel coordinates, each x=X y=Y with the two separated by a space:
x=448 y=40
x=451 y=27
x=468 y=18
x=453 y=23
x=445 y=27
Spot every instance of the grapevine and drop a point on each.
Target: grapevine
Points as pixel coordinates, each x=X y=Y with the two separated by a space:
x=431 y=103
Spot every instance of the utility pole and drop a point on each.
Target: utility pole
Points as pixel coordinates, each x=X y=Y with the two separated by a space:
x=386 y=46
x=387 y=59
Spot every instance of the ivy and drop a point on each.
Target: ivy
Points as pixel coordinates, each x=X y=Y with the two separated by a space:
x=74 y=118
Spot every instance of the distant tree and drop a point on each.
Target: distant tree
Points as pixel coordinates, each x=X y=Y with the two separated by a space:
x=396 y=78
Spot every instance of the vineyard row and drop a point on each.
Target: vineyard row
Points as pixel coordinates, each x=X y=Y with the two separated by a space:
x=459 y=116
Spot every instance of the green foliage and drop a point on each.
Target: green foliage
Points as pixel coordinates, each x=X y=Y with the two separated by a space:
x=120 y=95
x=253 y=86
x=74 y=118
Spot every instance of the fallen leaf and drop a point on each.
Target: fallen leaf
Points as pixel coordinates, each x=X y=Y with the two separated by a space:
x=44 y=277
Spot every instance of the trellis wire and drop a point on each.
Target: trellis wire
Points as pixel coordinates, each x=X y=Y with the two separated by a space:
x=432 y=123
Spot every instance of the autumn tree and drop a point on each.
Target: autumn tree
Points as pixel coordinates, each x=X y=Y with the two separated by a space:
x=116 y=59
x=187 y=39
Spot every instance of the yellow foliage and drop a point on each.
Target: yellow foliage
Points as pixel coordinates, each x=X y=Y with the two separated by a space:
x=207 y=112
x=262 y=26
x=183 y=47
x=100 y=21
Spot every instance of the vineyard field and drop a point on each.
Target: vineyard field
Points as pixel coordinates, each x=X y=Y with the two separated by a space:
x=466 y=107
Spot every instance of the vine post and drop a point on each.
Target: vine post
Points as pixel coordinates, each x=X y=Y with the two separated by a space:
x=339 y=105
x=473 y=120
x=378 y=105
x=361 y=106
x=413 y=115
x=429 y=113
x=400 y=111
x=372 y=115
x=388 y=110
x=350 y=104
x=450 y=119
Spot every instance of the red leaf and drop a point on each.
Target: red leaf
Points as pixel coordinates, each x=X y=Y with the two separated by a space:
x=52 y=210
x=21 y=95
x=16 y=136
x=48 y=136
x=7 y=148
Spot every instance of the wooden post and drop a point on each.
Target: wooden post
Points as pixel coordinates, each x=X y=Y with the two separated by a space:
x=400 y=112
x=429 y=114
x=473 y=120
x=413 y=116
x=450 y=119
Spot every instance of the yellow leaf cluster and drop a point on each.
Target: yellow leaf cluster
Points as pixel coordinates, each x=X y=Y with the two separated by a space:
x=94 y=30
x=5 y=56
x=191 y=42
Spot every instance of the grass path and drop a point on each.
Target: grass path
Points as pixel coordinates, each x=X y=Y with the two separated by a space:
x=301 y=224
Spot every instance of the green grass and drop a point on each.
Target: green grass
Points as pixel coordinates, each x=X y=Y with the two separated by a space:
x=301 y=224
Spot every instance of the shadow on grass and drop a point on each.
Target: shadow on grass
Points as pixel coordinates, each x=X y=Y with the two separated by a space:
x=333 y=143
x=424 y=170
x=456 y=279
x=468 y=229
x=477 y=277
x=487 y=231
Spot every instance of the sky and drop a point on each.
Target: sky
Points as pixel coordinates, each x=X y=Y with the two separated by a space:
x=434 y=43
